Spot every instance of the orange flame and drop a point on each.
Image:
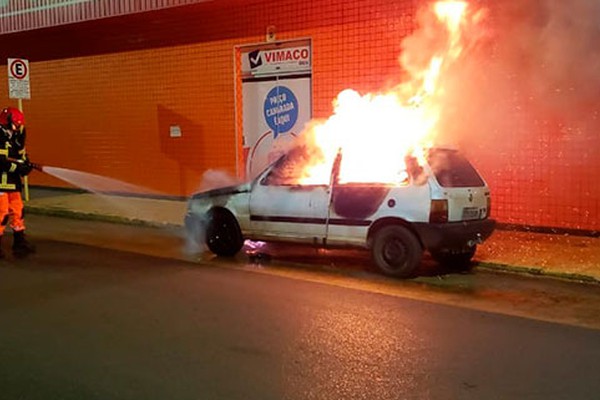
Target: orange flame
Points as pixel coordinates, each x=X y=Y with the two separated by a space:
x=376 y=131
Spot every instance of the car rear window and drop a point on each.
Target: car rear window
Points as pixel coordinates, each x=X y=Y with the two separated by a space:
x=451 y=169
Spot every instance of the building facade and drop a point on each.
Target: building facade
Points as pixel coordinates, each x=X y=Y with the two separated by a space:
x=145 y=92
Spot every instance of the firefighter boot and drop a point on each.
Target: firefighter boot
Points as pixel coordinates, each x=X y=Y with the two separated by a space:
x=21 y=247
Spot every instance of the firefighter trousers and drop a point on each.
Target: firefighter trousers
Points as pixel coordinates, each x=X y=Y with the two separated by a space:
x=11 y=211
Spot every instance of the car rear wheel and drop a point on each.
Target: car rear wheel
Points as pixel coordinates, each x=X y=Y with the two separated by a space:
x=223 y=235
x=396 y=251
x=456 y=259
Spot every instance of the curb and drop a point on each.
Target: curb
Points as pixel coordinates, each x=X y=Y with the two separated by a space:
x=63 y=213
x=536 y=271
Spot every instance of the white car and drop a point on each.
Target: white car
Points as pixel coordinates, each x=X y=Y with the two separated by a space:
x=442 y=206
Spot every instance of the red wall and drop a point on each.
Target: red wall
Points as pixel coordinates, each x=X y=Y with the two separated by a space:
x=104 y=94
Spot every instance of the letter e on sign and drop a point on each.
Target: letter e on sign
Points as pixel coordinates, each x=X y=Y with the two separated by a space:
x=18 y=78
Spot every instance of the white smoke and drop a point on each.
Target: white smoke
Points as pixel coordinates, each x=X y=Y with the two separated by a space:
x=214 y=179
x=537 y=62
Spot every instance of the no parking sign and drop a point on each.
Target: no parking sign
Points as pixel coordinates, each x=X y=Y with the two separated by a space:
x=18 y=78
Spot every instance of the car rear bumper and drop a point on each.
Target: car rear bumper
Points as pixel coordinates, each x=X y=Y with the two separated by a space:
x=455 y=235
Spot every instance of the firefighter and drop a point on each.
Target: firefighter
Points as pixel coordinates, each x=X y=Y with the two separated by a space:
x=14 y=165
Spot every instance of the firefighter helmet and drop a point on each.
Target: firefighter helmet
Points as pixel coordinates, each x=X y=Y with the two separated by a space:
x=10 y=116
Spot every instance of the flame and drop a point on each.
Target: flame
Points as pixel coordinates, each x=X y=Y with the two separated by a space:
x=451 y=12
x=376 y=131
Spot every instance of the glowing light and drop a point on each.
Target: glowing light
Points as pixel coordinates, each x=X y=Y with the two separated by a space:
x=376 y=131
x=451 y=12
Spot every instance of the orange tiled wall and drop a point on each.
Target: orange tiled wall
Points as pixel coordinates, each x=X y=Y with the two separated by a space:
x=104 y=104
x=108 y=112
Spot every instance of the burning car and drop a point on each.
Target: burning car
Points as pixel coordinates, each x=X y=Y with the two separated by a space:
x=370 y=175
x=438 y=203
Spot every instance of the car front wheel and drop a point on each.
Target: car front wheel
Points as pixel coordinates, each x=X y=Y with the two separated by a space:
x=223 y=235
x=396 y=251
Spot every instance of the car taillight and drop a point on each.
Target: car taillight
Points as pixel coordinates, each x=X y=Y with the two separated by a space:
x=439 y=211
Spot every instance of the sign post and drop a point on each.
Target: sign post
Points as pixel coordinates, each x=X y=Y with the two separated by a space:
x=18 y=88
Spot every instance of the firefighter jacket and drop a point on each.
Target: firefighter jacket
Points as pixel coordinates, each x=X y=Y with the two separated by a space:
x=12 y=149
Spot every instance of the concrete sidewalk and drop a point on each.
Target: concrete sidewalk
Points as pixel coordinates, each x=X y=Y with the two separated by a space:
x=563 y=256
x=123 y=209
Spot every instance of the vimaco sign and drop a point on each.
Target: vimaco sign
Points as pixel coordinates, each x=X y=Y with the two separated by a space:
x=300 y=55
x=277 y=60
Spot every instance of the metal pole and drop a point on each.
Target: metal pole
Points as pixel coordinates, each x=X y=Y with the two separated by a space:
x=25 y=180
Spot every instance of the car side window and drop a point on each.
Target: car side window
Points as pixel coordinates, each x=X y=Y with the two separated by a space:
x=289 y=170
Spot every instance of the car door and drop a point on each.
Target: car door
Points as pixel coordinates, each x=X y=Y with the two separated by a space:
x=283 y=208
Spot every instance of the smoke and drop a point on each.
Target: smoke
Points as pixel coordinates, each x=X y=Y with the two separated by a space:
x=214 y=179
x=529 y=65
x=552 y=48
x=522 y=101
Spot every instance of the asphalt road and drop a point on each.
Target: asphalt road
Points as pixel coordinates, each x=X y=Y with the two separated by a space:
x=90 y=321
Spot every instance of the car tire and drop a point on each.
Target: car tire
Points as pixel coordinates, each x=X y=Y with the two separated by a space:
x=396 y=251
x=458 y=260
x=223 y=234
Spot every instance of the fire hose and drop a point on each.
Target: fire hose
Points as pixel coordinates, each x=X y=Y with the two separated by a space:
x=35 y=166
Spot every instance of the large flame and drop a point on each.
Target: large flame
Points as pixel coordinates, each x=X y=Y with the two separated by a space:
x=376 y=131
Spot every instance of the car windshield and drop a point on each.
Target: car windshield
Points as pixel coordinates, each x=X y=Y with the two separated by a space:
x=451 y=169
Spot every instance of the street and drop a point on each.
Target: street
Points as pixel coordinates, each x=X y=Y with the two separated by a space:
x=105 y=311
